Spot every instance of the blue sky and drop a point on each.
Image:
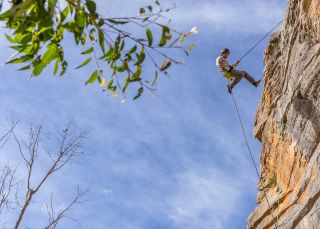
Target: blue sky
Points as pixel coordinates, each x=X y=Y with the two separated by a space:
x=175 y=159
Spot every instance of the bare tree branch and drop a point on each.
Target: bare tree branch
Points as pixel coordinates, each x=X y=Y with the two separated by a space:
x=69 y=147
x=7 y=174
x=54 y=219
x=7 y=135
x=7 y=183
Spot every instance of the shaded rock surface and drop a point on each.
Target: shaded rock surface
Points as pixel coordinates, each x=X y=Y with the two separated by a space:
x=288 y=123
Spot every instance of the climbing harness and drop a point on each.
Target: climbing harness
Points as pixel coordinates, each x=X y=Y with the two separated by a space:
x=228 y=75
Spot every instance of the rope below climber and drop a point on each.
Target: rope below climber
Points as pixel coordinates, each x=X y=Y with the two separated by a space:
x=231 y=73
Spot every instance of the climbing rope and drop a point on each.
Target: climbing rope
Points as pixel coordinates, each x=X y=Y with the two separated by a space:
x=259 y=41
x=242 y=126
x=245 y=137
x=251 y=155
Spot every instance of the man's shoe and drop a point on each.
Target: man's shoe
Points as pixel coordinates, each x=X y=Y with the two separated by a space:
x=256 y=83
x=229 y=87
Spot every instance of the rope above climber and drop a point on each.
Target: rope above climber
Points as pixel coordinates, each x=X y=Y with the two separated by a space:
x=231 y=73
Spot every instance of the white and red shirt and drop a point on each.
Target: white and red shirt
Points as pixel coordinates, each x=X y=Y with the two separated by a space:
x=222 y=64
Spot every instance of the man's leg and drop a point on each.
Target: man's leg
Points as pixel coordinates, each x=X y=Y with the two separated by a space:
x=237 y=76
x=248 y=77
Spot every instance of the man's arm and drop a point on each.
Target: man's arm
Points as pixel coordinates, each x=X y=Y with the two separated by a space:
x=236 y=64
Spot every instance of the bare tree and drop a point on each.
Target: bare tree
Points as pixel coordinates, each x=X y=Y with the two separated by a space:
x=69 y=146
x=7 y=184
x=7 y=174
x=54 y=219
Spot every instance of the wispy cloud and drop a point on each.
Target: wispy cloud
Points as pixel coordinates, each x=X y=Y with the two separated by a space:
x=176 y=162
x=198 y=203
x=247 y=16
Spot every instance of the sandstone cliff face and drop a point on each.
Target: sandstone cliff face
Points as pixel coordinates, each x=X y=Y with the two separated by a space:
x=288 y=123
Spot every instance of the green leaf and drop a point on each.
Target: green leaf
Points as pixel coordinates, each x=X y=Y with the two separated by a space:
x=78 y=35
x=19 y=48
x=101 y=41
x=87 y=61
x=110 y=84
x=64 y=67
x=142 y=11
x=80 y=19
x=38 y=68
x=113 y=88
x=51 y=5
x=102 y=82
x=25 y=68
x=137 y=74
x=183 y=38
x=56 y=66
x=91 y=34
x=140 y=91
x=91 y=5
x=84 y=39
x=114 y=95
x=5 y=15
x=191 y=47
x=43 y=30
x=145 y=19
x=51 y=54
x=9 y=38
x=21 y=59
x=108 y=55
x=165 y=32
x=21 y=38
x=65 y=13
x=149 y=36
x=132 y=50
x=123 y=67
x=117 y=22
x=165 y=65
x=90 y=50
x=141 y=57
x=134 y=80
x=155 y=79
x=101 y=22
x=117 y=43
x=93 y=77
x=122 y=45
x=126 y=85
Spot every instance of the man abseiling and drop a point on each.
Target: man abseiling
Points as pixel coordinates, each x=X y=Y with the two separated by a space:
x=230 y=71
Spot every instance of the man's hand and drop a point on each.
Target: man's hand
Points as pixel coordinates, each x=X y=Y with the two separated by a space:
x=229 y=68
